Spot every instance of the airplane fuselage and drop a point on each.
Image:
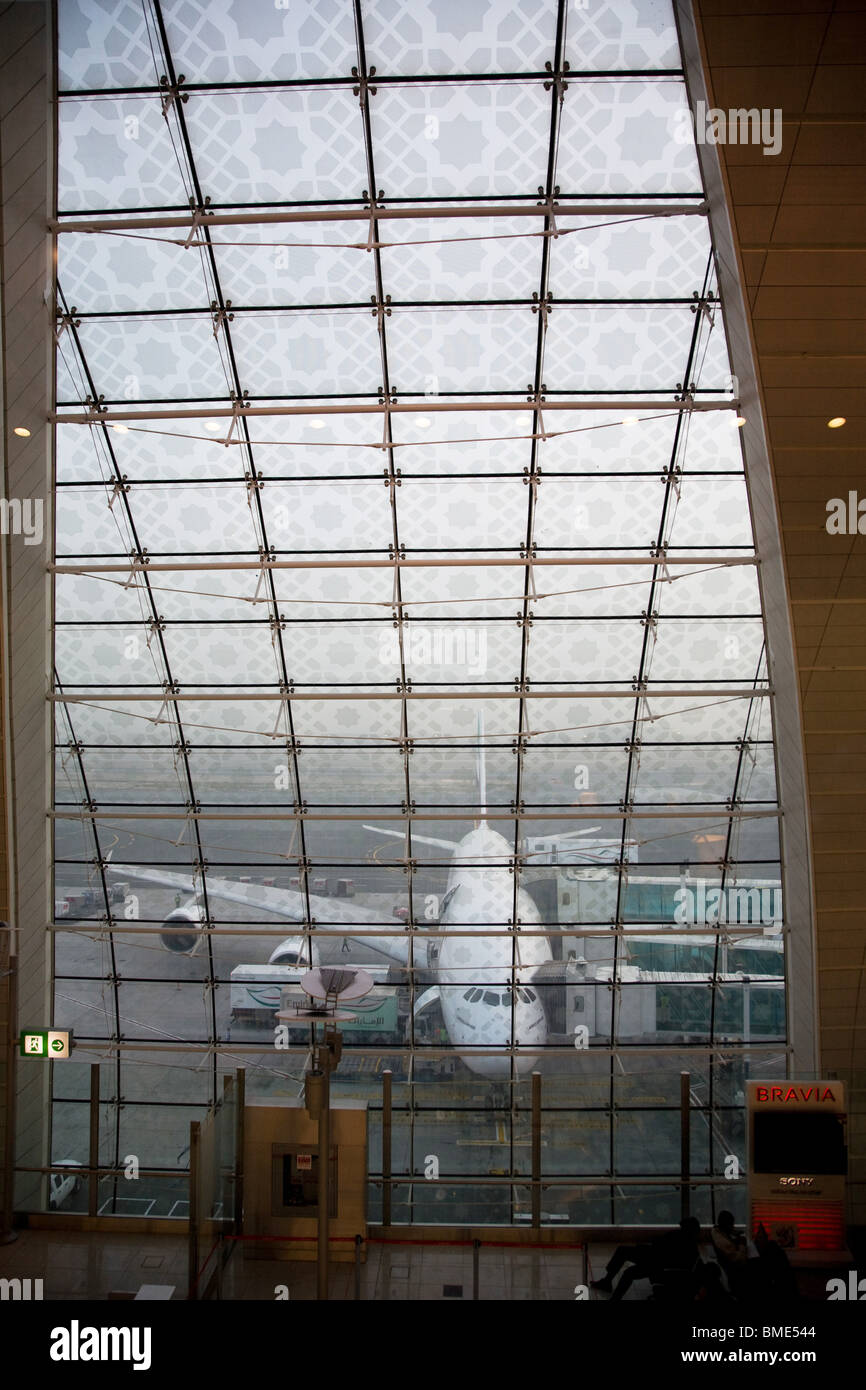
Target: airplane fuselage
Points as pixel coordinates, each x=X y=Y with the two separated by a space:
x=487 y=998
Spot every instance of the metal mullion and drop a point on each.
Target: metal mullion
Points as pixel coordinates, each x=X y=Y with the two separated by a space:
x=404 y=818
x=394 y=79
x=227 y=558
x=239 y=396
x=279 y=650
x=498 y=561
x=300 y=622
x=407 y=477
x=267 y=1050
x=556 y=99
x=393 y=483
x=718 y=935
x=633 y=757
x=335 y=691
x=706 y=809
x=153 y=927
x=658 y=398
x=76 y=748
x=648 y=630
x=331 y=747
x=362 y=404
x=352 y=210
x=182 y=746
x=499 y=303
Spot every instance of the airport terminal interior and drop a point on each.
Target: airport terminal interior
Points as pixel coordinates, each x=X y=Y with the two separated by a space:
x=431 y=650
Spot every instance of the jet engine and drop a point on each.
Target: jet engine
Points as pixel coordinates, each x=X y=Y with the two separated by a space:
x=294 y=951
x=179 y=942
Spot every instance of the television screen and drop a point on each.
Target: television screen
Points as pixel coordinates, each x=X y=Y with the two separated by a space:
x=799 y=1142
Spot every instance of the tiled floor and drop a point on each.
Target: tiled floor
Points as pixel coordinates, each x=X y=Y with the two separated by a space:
x=417 y=1273
x=95 y=1266
x=91 y=1266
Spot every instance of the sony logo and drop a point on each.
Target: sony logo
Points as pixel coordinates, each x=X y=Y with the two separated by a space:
x=786 y=1095
x=796 y=1182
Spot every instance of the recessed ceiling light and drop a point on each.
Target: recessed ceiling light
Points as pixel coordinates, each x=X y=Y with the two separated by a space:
x=212 y=425
x=834 y=424
x=741 y=420
x=629 y=421
x=316 y=424
x=121 y=429
x=22 y=432
x=423 y=422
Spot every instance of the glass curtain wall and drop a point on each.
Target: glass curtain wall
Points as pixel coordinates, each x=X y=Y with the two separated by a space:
x=407 y=610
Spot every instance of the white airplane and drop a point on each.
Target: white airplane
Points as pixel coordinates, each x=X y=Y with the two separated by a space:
x=484 y=984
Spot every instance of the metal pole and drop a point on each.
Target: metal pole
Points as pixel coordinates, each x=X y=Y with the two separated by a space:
x=435 y=562
x=358 y=1240
x=7 y=1234
x=476 y=1253
x=240 y=1101
x=536 y=1150
x=217 y=411
x=324 y=1173
x=192 y=1258
x=97 y=932
x=93 y=1181
x=685 y=1145
x=611 y=208
x=386 y=1148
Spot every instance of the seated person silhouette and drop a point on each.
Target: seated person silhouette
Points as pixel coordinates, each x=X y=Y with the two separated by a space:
x=674 y=1254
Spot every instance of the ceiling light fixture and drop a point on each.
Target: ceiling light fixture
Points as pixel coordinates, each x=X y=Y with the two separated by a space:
x=741 y=420
x=212 y=425
x=22 y=432
x=836 y=423
x=316 y=424
x=121 y=429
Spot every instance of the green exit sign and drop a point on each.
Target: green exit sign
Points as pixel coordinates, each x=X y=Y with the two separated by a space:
x=52 y=1044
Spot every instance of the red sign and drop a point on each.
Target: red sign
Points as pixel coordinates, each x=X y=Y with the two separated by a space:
x=800 y=1094
x=305 y=1163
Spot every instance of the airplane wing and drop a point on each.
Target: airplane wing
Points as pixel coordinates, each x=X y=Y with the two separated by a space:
x=416 y=839
x=329 y=914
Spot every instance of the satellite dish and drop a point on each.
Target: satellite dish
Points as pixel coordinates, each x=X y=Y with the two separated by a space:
x=336 y=982
x=329 y=986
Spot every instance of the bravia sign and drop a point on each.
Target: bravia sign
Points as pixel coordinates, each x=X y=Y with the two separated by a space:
x=764 y=1095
